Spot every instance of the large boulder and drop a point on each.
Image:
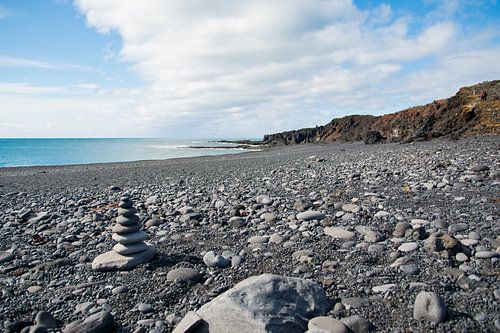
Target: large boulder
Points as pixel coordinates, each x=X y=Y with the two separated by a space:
x=100 y=322
x=264 y=303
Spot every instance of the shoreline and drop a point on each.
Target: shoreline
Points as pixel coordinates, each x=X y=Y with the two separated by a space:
x=263 y=148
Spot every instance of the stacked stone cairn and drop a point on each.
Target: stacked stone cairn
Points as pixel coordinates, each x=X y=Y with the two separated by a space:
x=131 y=249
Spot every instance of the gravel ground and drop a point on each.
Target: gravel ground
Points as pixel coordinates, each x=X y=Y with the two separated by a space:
x=55 y=220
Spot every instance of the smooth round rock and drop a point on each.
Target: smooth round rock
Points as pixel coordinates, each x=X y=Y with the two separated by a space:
x=214 y=260
x=485 y=254
x=34 y=289
x=6 y=256
x=184 y=274
x=469 y=242
x=326 y=325
x=429 y=306
x=130 y=249
x=409 y=269
x=126 y=203
x=154 y=222
x=127 y=220
x=400 y=229
x=125 y=229
x=383 y=288
x=45 y=319
x=113 y=261
x=461 y=257
x=382 y=214
x=145 y=308
x=408 y=247
x=258 y=239
x=358 y=324
x=119 y=290
x=263 y=199
x=310 y=215
x=351 y=208
x=127 y=211
x=130 y=238
x=338 y=233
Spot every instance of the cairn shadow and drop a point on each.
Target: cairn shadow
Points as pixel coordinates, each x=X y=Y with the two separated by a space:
x=163 y=260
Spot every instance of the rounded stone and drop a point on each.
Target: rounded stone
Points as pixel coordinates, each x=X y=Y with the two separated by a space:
x=127 y=211
x=338 y=233
x=351 y=208
x=213 y=260
x=130 y=238
x=310 y=215
x=119 y=290
x=130 y=249
x=429 y=306
x=127 y=220
x=400 y=229
x=34 y=289
x=258 y=239
x=154 y=222
x=263 y=199
x=485 y=254
x=145 y=308
x=408 y=247
x=409 y=269
x=6 y=256
x=125 y=229
x=125 y=203
x=184 y=274
x=45 y=319
x=326 y=325
x=113 y=261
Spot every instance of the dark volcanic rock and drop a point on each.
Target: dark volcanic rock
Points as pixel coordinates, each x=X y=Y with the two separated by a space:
x=468 y=113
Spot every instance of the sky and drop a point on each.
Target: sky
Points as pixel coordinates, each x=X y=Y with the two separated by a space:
x=231 y=69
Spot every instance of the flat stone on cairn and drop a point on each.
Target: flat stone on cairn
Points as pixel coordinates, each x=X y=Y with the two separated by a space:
x=131 y=249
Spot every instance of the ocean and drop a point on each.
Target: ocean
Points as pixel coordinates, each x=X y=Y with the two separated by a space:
x=36 y=152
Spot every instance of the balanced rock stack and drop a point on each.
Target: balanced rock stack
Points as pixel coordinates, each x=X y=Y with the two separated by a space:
x=131 y=249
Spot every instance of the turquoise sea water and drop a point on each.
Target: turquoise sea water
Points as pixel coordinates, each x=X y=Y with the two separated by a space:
x=30 y=152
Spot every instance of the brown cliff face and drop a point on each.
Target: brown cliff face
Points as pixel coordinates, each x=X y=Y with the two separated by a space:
x=473 y=111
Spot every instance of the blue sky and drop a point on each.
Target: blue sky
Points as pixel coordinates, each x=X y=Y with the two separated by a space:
x=186 y=68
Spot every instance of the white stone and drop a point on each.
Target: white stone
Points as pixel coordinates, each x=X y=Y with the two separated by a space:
x=338 y=233
x=429 y=306
x=408 y=247
x=382 y=214
x=326 y=325
x=133 y=237
x=112 y=261
x=351 y=208
x=419 y=222
x=310 y=215
x=383 y=288
x=130 y=248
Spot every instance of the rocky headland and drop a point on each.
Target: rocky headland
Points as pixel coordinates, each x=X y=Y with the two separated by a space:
x=473 y=111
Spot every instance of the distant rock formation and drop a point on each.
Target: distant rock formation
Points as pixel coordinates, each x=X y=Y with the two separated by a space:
x=473 y=111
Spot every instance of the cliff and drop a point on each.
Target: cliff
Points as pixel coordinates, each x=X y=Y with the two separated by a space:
x=473 y=111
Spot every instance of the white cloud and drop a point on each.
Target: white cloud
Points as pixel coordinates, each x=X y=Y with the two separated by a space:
x=83 y=110
x=7 y=61
x=245 y=68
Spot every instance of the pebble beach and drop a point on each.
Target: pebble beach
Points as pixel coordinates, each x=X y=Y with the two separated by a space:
x=382 y=238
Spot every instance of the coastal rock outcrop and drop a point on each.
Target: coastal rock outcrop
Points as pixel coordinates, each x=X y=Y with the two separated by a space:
x=473 y=111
